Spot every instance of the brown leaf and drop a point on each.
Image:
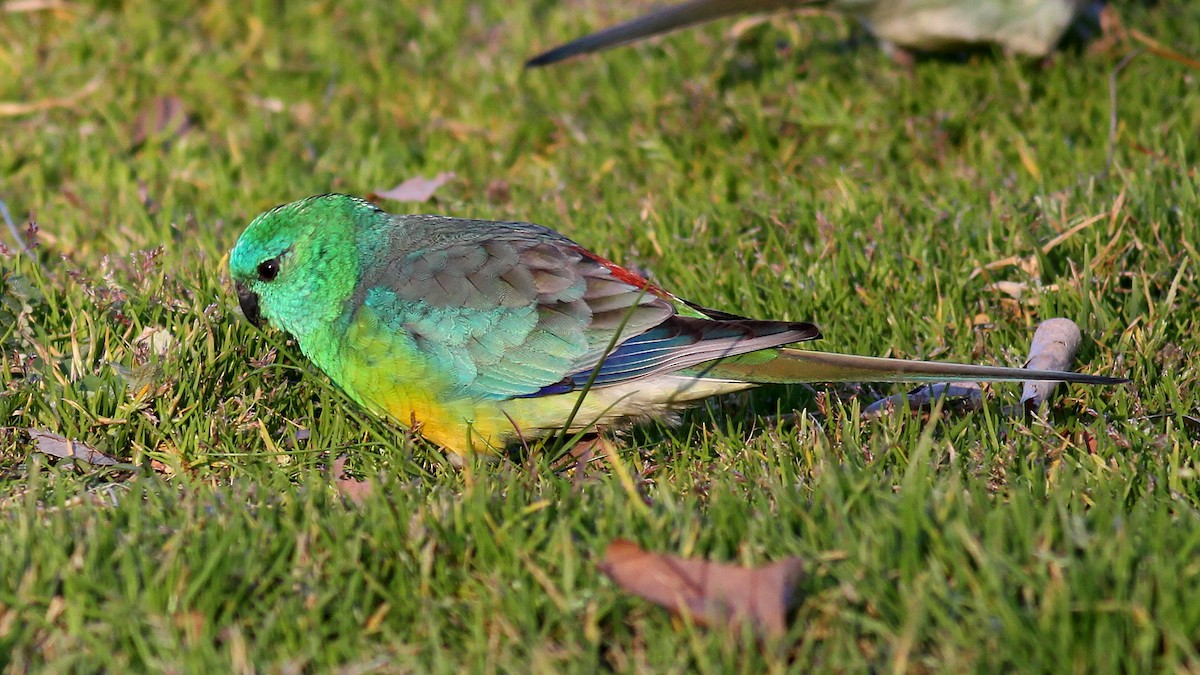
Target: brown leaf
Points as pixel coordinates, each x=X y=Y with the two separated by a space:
x=49 y=443
x=1089 y=441
x=711 y=593
x=354 y=489
x=161 y=468
x=1055 y=343
x=498 y=192
x=164 y=117
x=417 y=189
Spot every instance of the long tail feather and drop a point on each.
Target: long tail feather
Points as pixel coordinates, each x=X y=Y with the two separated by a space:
x=661 y=21
x=795 y=365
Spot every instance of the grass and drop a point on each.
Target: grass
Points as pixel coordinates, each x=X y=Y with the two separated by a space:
x=782 y=174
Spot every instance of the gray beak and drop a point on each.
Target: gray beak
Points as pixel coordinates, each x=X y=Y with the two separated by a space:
x=249 y=302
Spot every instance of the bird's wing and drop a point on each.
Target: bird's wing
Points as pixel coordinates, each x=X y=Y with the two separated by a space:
x=512 y=309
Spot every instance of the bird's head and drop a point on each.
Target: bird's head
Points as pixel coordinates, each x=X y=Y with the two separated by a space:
x=296 y=264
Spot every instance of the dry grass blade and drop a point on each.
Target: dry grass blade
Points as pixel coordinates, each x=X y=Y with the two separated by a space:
x=1158 y=49
x=16 y=109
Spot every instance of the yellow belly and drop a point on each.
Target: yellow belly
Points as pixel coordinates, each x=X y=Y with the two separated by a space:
x=457 y=426
x=383 y=375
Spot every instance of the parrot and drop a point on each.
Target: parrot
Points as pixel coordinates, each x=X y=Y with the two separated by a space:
x=1028 y=27
x=478 y=335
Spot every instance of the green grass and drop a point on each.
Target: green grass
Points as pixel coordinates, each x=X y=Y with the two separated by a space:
x=817 y=182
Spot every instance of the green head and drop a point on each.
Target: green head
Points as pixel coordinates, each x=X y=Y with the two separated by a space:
x=296 y=264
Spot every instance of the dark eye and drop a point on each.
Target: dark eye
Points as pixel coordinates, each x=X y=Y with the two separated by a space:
x=268 y=270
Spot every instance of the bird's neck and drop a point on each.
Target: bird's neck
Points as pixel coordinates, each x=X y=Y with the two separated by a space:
x=338 y=292
x=320 y=345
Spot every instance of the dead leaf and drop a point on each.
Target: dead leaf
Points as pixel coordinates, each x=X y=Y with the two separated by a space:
x=1055 y=343
x=49 y=443
x=161 y=468
x=155 y=340
x=498 y=192
x=163 y=118
x=417 y=189
x=710 y=593
x=354 y=489
x=959 y=396
x=1013 y=289
x=1089 y=441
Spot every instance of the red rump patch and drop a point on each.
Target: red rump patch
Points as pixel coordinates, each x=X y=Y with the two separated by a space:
x=623 y=275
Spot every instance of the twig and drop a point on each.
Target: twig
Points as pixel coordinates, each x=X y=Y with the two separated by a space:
x=1155 y=47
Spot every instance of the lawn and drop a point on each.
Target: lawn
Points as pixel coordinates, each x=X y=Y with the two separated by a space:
x=777 y=169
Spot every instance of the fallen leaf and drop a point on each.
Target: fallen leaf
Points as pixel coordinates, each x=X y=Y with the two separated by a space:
x=49 y=443
x=162 y=118
x=354 y=489
x=417 y=189
x=1013 y=289
x=961 y=396
x=155 y=339
x=161 y=468
x=1055 y=343
x=710 y=593
x=1089 y=441
x=498 y=192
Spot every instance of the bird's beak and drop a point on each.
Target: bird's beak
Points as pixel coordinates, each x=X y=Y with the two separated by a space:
x=248 y=299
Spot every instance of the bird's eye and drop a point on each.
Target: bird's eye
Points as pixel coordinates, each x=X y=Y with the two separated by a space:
x=269 y=269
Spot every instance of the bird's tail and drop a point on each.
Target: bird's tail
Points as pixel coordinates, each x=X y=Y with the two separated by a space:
x=664 y=20
x=789 y=366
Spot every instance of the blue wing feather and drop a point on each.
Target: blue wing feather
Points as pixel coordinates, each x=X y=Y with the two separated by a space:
x=680 y=342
